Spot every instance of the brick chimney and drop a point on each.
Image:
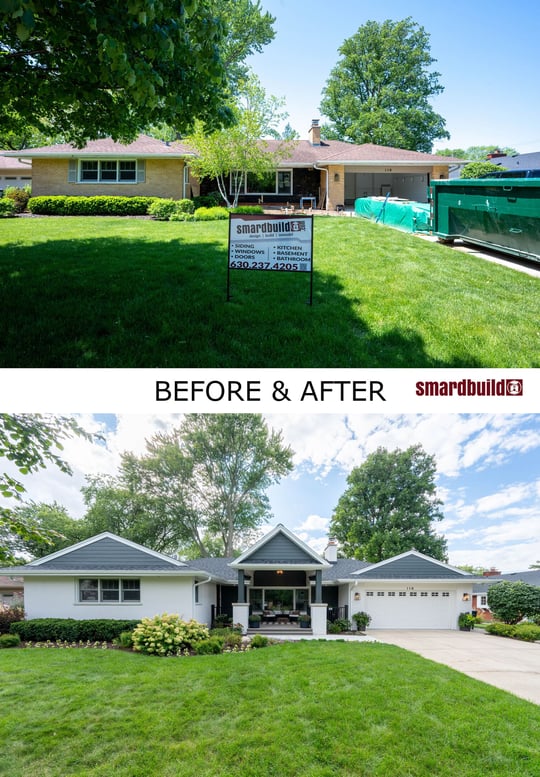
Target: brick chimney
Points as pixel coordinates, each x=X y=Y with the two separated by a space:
x=314 y=133
x=495 y=154
x=330 y=552
x=491 y=572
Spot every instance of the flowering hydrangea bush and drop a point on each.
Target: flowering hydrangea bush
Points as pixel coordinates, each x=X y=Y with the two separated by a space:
x=168 y=635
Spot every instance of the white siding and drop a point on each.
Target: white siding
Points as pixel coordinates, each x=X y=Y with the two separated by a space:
x=57 y=597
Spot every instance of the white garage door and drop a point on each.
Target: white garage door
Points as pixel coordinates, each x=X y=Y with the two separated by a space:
x=404 y=609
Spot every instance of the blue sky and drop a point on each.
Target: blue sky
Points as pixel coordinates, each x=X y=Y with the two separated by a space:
x=487 y=54
x=488 y=473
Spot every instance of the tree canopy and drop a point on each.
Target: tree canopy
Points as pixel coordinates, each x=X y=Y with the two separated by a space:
x=475 y=153
x=229 y=155
x=389 y=507
x=200 y=488
x=31 y=442
x=513 y=601
x=479 y=169
x=379 y=90
x=85 y=70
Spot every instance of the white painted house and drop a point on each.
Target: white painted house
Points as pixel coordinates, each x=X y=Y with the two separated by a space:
x=279 y=578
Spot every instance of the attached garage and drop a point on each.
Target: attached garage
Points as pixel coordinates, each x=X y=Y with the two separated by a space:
x=423 y=608
x=412 y=591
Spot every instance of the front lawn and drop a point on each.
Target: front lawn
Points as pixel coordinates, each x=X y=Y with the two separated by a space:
x=113 y=292
x=309 y=709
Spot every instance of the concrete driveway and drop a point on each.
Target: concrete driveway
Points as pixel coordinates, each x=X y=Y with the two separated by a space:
x=506 y=663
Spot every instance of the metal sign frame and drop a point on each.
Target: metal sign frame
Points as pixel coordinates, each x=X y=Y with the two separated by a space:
x=270 y=243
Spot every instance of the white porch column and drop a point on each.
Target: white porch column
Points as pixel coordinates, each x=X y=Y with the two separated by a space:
x=240 y=614
x=318 y=619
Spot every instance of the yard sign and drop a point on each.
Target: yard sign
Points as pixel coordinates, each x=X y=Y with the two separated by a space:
x=262 y=242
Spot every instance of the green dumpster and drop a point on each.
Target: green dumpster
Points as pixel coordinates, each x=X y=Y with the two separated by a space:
x=498 y=213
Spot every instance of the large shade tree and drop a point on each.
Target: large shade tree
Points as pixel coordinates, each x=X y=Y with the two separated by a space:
x=199 y=489
x=30 y=442
x=379 y=91
x=390 y=506
x=89 y=69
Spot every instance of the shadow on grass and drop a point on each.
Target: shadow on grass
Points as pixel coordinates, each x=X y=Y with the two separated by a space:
x=108 y=302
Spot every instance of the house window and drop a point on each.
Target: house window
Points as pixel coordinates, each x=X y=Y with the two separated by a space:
x=483 y=600
x=274 y=182
x=423 y=593
x=446 y=593
x=434 y=593
x=412 y=593
x=108 y=171
x=391 y=593
x=403 y=593
x=369 y=593
x=380 y=593
x=109 y=590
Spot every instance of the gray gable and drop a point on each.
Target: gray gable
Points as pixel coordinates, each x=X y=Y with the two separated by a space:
x=413 y=567
x=279 y=549
x=107 y=553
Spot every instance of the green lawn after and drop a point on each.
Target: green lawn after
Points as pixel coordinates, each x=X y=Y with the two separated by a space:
x=113 y=292
x=310 y=709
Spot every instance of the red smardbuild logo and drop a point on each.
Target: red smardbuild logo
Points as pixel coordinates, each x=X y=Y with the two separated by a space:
x=512 y=387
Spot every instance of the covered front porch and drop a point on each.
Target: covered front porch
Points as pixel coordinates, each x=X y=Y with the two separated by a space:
x=279 y=584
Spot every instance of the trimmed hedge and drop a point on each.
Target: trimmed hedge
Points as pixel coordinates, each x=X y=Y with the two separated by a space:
x=211 y=214
x=528 y=632
x=254 y=210
x=101 y=205
x=71 y=630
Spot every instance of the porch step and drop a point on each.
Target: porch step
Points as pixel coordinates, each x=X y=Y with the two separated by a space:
x=276 y=630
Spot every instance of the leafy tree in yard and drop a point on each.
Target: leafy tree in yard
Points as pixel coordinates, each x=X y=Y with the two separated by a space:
x=31 y=442
x=54 y=522
x=379 y=90
x=479 y=169
x=200 y=487
x=228 y=156
x=511 y=602
x=107 y=68
x=389 y=507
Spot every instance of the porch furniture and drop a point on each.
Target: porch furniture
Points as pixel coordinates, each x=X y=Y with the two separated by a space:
x=311 y=200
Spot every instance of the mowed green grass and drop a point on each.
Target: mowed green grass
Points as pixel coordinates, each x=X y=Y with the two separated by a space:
x=112 y=292
x=310 y=709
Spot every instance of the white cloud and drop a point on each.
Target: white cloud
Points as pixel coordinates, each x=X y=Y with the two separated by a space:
x=313 y=523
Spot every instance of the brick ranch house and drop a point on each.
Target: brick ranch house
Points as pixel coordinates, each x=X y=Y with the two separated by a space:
x=334 y=173
x=278 y=578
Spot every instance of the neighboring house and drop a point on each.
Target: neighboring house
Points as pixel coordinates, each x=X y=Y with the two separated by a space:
x=516 y=162
x=11 y=590
x=13 y=172
x=481 y=588
x=279 y=577
x=331 y=172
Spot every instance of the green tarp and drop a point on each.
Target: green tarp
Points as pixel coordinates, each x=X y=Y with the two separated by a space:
x=401 y=214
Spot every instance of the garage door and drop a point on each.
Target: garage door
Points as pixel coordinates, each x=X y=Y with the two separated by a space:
x=405 y=609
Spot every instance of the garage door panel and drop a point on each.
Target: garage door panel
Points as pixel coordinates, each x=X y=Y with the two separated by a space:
x=411 y=609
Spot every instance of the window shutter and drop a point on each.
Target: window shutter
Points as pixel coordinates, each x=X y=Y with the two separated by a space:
x=141 y=171
x=72 y=171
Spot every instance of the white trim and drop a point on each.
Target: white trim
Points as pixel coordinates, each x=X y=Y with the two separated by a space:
x=280 y=529
x=97 y=538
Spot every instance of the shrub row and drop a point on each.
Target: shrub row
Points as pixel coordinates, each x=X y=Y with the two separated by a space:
x=529 y=632
x=71 y=630
x=101 y=205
